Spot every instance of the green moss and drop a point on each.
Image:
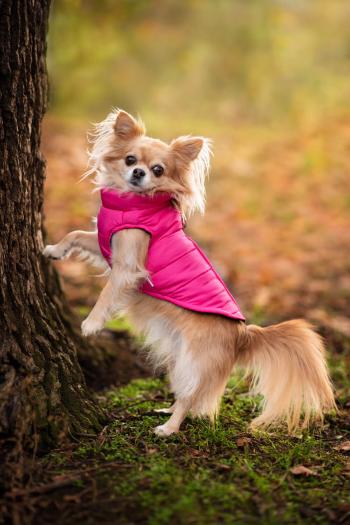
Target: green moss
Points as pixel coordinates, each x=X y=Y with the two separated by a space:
x=121 y=323
x=118 y=324
x=202 y=475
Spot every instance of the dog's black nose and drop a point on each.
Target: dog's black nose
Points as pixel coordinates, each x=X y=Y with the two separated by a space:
x=138 y=173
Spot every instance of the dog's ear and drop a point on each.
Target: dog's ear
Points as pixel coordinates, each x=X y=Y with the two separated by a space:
x=126 y=127
x=192 y=160
x=186 y=149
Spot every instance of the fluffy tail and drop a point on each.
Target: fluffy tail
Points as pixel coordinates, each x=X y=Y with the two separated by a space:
x=289 y=370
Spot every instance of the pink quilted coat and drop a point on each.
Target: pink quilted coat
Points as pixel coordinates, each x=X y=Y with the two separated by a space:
x=179 y=271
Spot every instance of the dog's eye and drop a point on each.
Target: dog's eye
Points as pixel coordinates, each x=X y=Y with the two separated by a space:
x=158 y=170
x=130 y=160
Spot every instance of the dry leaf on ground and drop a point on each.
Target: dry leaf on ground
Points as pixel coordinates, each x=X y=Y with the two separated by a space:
x=344 y=447
x=300 y=470
x=243 y=441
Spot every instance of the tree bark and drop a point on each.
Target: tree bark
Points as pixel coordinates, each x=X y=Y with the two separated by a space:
x=43 y=394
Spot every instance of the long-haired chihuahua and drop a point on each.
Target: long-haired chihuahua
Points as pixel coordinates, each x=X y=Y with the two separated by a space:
x=171 y=293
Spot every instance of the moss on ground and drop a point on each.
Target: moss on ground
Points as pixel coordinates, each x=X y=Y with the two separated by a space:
x=207 y=474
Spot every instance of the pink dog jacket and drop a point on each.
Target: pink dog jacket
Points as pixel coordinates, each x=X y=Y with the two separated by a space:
x=179 y=272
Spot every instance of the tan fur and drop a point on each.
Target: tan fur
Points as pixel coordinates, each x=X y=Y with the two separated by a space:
x=200 y=345
x=287 y=361
x=185 y=161
x=84 y=244
x=197 y=351
x=289 y=370
x=127 y=128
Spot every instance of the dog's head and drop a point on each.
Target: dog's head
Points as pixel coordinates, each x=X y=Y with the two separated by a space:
x=123 y=157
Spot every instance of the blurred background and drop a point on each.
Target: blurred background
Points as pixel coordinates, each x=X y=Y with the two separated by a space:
x=268 y=81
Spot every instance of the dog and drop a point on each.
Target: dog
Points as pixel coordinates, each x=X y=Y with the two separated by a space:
x=170 y=292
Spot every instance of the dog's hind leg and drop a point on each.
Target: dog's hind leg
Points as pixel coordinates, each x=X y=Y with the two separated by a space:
x=184 y=380
x=181 y=409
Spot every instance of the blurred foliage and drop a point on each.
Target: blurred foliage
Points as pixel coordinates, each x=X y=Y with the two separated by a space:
x=269 y=82
x=210 y=62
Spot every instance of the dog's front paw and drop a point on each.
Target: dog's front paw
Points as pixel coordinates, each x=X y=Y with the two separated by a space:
x=54 y=251
x=91 y=326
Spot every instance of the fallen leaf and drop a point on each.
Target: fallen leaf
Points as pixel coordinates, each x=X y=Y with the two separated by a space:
x=243 y=441
x=73 y=498
x=197 y=453
x=222 y=466
x=300 y=470
x=344 y=447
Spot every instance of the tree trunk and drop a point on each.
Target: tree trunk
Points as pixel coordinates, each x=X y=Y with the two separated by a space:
x=43 y=394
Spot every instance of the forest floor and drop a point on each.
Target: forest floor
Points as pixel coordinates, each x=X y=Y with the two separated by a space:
x=277 y=228
x=204 y=475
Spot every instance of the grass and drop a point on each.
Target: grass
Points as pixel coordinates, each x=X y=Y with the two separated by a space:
x=207 y=474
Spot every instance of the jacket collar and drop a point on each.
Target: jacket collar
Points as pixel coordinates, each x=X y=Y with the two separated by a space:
x=115 y=200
